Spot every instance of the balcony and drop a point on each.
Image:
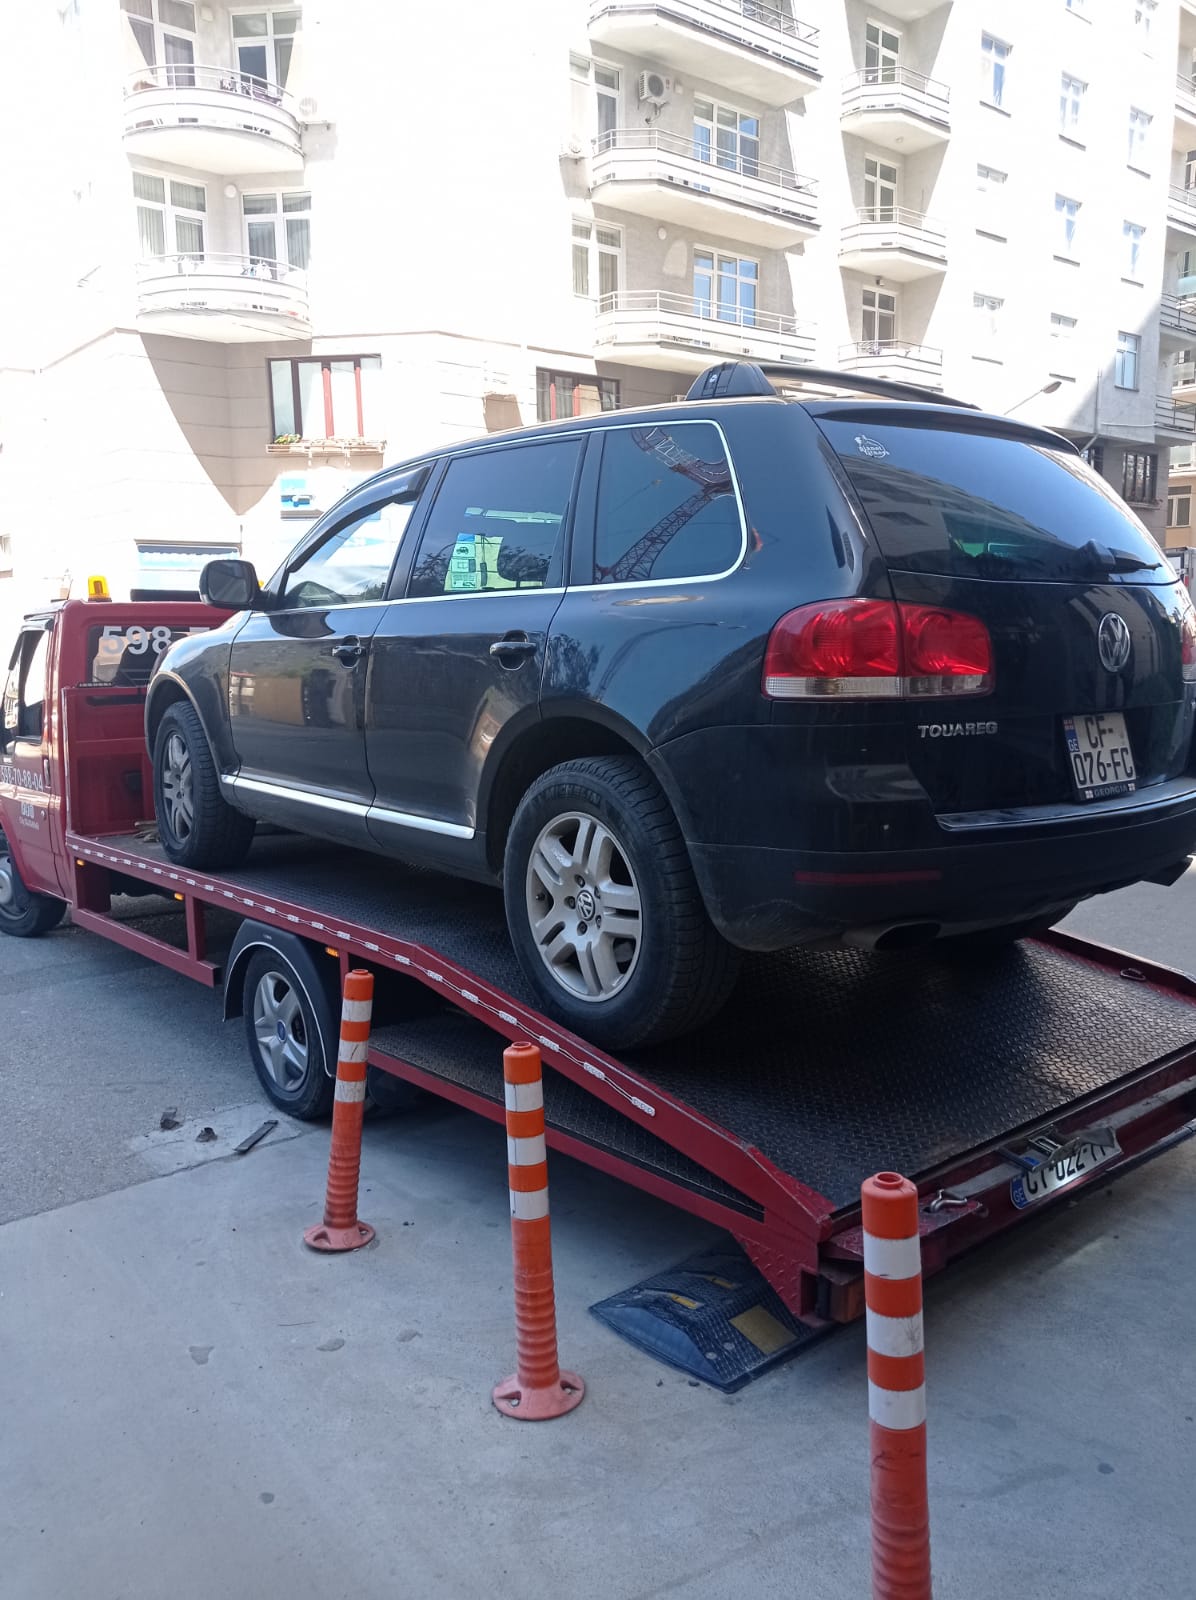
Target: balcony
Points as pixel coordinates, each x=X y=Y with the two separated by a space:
x=228 y=299
x=1177 y=321
x=1183 y=383
x=895 y=108
x=678 y=333
x=1181 y=210
x=891 y=242
x=1185 y=102
x=212 y=119
x=894 y=359
x=657 y=175
x=1173 y=424
x=747 y=46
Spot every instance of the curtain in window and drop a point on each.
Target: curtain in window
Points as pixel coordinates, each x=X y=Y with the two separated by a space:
x=151 y=231
x=298 y=241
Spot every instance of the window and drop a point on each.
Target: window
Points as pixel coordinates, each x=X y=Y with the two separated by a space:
x=1066 y=213
x=496 y=523
x=1062 y=327
x=264 y=41
x=1179 y=509
x=277 y=229
x=879 y=322
x=1131 y=236
x=1125 y=370
x=725 y=287
x=666 y=505
x=1071 y=99
x=325 y=397
x=170 y=216
x=1094 y=455
x=1078 y=8
x=25 y=690
x=352 y=566
x=994 y=58
x=988 y=315
x=597 y=260
x=990 y=179
x=1183 y=372
x=882 y=47
x=5 y=555
x=1138 y=477
x=880 y=190
x=157 y=27
x=606 y=95
x=992 y=218
x=1139 y=127
x=571 y=394
x=728 y=138
x=1144 y=16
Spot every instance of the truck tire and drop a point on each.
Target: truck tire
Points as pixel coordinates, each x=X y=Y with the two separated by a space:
x=197 y=826
x=24 y=914
x=594 y=840
x=286 y=1036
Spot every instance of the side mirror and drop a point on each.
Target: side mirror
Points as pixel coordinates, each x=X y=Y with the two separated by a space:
x=231 y=585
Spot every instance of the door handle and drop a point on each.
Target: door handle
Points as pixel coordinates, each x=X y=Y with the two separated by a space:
x=349 y=651
x=515 y=646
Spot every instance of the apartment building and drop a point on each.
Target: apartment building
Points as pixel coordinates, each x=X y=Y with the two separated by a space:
x=278 y=246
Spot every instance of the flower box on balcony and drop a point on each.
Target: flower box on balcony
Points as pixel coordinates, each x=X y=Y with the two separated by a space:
x=326 y=447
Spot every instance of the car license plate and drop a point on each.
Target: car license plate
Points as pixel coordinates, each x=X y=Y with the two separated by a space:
x=1102 y=763
x=1066 y=1165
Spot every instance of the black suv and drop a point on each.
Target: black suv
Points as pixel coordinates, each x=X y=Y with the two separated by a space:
x=745 y=672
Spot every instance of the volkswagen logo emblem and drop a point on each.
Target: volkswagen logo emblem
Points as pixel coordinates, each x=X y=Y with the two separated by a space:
x=1113 y=642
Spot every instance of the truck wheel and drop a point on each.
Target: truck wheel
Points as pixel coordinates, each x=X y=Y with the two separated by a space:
x=286 y=1036
x=24 y=914
x=603 y=909
x=197 y=826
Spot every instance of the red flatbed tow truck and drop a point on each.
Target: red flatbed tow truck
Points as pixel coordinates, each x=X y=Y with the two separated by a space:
x=996 y=1085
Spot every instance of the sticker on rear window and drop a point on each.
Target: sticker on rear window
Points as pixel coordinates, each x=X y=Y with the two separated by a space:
x=872 y=448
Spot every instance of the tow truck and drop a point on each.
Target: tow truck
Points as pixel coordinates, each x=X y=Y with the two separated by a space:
x=996 y=1085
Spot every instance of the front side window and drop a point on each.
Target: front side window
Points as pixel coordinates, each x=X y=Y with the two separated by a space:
x=1179 y=509
x=666 y=505
x=25 y=690
x=725 y=287
x=1125 y=369
x=726 y=137
x=352 y=566
x=264 y=42
x=879 y=324
x=326 y=397
x=170 y=217
x=1066 y=216
x=1131 y=235
x=498 y=520
x=1139 y=128
x=882 y=49
x=1138 y=477
x=994 y=60
x=1071 y=99
x=277 y=230
x=573 y=394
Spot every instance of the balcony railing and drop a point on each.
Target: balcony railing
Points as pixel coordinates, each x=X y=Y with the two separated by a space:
x=656 y=317
x=650 y=155
x=1181 y=202
x=1185 y=93
x=1177 y=313
x=1172 y=418
x=919 y=362
x=252 y=291
x=750 y=23
x=896 y=89
x=182 y=96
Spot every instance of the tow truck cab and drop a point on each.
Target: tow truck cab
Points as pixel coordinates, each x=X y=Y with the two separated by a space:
x=82 y=665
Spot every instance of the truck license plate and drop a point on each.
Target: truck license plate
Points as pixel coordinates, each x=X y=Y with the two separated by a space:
x=1102 y=763
x=1068 y=1164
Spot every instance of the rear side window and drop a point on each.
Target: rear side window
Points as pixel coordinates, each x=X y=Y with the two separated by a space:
x=666 y=505
x=498 y=521
x=975 y=505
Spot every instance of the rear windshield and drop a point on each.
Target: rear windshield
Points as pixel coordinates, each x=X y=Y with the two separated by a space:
x=972 y=505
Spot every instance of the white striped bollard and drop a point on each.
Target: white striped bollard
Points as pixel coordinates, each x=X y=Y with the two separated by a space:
x=340 y=1229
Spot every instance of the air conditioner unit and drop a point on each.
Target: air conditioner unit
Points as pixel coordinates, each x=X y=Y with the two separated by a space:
x=654 y=88
x=572 y=150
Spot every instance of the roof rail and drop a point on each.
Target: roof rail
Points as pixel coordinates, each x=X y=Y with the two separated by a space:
x=731 y=378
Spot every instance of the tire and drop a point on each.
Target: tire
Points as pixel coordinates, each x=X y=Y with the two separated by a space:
x=673 y=971
x=291 y=1067
x=24 y=914
x=197 y=826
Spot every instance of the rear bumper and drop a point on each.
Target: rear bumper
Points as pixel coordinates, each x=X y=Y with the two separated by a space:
x=1003 y=870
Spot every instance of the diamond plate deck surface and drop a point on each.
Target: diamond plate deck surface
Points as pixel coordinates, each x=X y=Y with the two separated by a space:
x=832 y=1064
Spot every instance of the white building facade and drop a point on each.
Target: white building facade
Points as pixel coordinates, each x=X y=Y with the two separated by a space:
x=267 y=250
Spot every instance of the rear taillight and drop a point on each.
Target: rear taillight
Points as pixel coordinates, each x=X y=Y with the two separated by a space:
x=1187 y=627
x=877 y=649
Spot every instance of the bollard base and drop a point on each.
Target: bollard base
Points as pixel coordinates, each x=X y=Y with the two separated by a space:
x=322 y=1237
x=538 y=1405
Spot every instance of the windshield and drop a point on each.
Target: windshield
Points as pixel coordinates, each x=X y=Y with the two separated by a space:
x=976 y=505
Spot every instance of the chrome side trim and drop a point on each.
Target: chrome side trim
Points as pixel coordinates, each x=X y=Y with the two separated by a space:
x=353 y=808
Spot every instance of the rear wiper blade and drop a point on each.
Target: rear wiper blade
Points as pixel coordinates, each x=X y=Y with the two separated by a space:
x=1117 y=560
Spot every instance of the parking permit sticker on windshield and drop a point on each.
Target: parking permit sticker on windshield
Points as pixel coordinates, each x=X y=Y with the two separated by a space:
x=872 y=448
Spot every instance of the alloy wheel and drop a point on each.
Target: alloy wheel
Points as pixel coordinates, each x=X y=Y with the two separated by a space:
x=584 y=907
x=177 y=788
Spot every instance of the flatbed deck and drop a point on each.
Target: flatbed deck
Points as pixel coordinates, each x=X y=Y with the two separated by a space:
x=824 y=1068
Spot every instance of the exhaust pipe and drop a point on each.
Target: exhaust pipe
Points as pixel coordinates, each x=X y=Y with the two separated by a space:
x=893 y=936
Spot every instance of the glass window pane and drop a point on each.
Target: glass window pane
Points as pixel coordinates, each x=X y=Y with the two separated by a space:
x=496 y=524
x=581 y=269
x=297 y=202
x=608 y=273
x=188 y=236
x=188 y=196
x=312 y=424
x=371 y=395
x=177 y=14
x=251 y=59
x=674 y=478
x=299 y=242
x=354 y=565
x=138 y=8
x=249 y=25
x=286 y=21
x=606 y=77
x=704 y=109
x=283 y=396
x=143 y=32
x=151 y=230
x=147 y=187
x=261 y=239
x=344 y=400
x=610 y=237
x=259 y=205
x=283 y=50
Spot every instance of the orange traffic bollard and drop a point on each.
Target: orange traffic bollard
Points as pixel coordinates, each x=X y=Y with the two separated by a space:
x=896 y=1389
x=340 y=1229
x=538 y=1389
